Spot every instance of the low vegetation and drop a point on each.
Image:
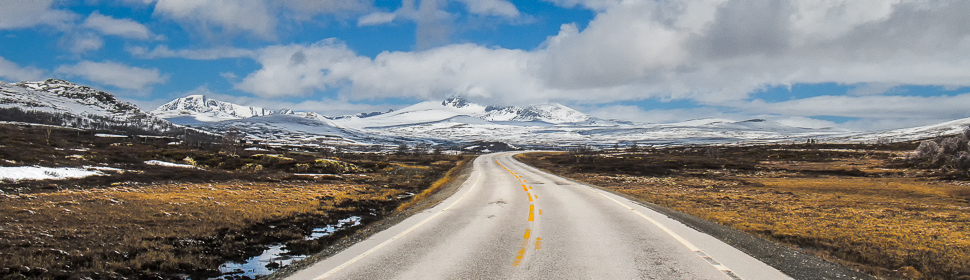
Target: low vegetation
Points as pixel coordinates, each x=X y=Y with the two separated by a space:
x=882 y=209
x=157 y=222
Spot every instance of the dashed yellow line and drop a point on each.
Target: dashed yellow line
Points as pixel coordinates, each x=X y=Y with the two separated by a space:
x=531 y=215
x=538 y=243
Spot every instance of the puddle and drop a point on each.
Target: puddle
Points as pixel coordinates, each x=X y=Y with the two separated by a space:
x=276 y=257
x=330 y=229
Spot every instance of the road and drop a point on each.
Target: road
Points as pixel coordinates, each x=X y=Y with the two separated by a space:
x=512 y=221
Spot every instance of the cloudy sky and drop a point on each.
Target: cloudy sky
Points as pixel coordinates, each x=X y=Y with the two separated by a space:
x=860 y=65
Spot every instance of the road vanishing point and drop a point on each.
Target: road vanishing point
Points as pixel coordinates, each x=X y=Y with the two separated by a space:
x=512 y=221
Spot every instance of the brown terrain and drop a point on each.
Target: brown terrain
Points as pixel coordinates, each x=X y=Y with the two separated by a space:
x=155 y=222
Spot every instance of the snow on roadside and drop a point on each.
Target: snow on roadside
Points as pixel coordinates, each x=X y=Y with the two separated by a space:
x=168 y=164
x=18 y=173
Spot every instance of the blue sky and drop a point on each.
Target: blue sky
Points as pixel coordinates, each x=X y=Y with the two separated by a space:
x=860 y=65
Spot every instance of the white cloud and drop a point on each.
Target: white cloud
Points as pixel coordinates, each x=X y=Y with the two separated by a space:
x=376 y=18
x=108 y=25
x=162 y=51
x=299 y=70
x=229 y=76
x=213 y=16
x=14 y=73
x=114 y=74
x=29 y=13
x=501 y=8
x=257 y=17
x=455 y=69
x=81 y=42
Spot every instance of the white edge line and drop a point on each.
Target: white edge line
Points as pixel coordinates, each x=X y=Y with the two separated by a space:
x=727 y=271
x=398 y=236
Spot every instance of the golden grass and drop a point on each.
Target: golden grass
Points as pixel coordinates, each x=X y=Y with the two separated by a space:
x=887 y=223
x=437 y=185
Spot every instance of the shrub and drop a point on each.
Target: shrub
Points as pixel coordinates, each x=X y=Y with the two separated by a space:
x=928 y=150
x=962 y=162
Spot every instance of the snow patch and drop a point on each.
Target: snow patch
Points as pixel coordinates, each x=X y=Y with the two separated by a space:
x=168 y=164
x=18 y=173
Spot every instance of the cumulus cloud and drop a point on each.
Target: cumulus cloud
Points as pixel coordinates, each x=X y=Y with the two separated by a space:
x=211 y=16
x=25 y=14
x=14 y=73
x=114 y=74
x=714 y=52
x=108 y=25
x=464 y=69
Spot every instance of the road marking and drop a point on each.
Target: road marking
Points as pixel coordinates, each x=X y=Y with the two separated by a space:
x=530 y=196
x=710 y=260
x=531 y=208
x=540 y=211
x=528 y=232
x=526 y=189
x=402 y=234
x=538 y=243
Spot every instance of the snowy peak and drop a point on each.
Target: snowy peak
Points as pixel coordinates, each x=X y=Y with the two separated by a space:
x=456 y=102
x=206 y=110
x=550 y=113
x=81 y=94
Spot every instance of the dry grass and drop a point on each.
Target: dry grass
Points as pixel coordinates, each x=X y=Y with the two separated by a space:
x=157 y=228
x=885 y=221
x=437 y=185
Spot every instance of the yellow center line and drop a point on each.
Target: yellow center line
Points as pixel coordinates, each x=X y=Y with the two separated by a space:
x=538 y=243
x=540 y=211
x=528 y=232
x=525 y=188
x=530 y=197
x=531 y=209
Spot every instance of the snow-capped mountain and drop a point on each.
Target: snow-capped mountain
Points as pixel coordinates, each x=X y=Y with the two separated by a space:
x=550 y=113
x=909 y=134
x=282 y=127
x=202 y=109
x=457 y=109
x=60 y=102
x=54 y=95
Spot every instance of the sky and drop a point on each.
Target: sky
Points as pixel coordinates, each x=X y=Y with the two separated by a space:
x=858 y=65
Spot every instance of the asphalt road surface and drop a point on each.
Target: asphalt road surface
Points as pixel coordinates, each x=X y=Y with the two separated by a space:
x=512 y=221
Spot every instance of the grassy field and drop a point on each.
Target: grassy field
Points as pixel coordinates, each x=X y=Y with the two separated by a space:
x=152 y=222
x=865 y=207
